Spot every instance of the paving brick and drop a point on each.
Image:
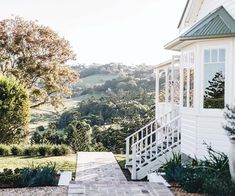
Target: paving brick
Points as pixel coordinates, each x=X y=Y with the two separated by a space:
x=98 y=174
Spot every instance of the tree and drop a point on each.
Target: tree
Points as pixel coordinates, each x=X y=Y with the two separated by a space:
x=229 y=116
x=216 y=87
x=79 y=136
x=14 y=110
x=36 y=55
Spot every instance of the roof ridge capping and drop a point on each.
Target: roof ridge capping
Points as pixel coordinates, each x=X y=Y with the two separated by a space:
x=217 y=23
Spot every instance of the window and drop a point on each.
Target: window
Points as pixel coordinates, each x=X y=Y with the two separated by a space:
x=214 y=78
x=162 y=86
x=176 y=83
x=169 y=78
x=188 y=79
x=191 y=79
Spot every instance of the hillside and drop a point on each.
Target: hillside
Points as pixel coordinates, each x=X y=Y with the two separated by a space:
x=97 y=81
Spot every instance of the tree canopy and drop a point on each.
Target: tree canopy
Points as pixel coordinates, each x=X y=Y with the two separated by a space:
x=37 y=56
x=14 y=110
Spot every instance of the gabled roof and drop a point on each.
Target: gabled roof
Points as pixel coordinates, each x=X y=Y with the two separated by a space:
x=190 y=12
x=218 y=23
x=183 y=14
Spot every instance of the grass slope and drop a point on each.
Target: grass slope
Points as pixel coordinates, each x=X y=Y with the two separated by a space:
x=93 y=80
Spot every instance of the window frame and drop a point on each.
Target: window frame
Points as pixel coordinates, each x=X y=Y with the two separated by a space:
x=217 y=45
x=188 y=66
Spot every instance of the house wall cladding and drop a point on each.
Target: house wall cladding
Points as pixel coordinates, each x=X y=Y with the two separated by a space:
x=197 y=130
x=209 y=5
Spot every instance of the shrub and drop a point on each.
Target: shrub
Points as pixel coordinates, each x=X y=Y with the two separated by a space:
x=38 y=176
x=9 y=179
x=31 y=150
x=174 y=170
x=4 y=150
x=209 y=176
x=40 y=128
x=14 y=110
x=17 y=150
x=65 y=149
x=51 y=136
x=79 y=136
x=44 y=150
x=36 y=138
x=98 y=147
x=57 y=150
x=229 y=116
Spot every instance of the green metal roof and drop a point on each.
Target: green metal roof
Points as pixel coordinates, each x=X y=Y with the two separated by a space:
x=218 y=23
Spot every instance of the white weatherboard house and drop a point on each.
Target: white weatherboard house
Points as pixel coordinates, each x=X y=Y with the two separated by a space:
x=192 y=90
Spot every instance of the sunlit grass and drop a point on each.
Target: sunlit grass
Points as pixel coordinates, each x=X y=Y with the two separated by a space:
x=121 y=160
x=65 y=163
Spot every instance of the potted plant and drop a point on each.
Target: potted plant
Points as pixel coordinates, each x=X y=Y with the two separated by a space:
x=229 y=126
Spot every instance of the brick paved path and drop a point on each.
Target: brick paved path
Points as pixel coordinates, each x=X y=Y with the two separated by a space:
x=98 y=174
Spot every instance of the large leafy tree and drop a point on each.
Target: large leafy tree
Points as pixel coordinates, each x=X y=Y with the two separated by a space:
x=36 y=55
x=14 y=111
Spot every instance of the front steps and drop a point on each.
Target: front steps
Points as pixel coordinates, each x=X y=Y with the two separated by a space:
x=148 y=148
x=98 y=174
x=124 y=188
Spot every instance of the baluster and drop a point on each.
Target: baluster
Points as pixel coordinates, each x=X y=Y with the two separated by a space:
x=141 y=146
x=162 y=139
x=156 y=146
x=145 y=149
x=178 y=130
x=133 y=173
x=127 y=150
x=167 y=136
x=151 y=142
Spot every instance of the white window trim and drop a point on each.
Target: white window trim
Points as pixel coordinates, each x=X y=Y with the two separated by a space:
x=210 y=111
x=187 y=108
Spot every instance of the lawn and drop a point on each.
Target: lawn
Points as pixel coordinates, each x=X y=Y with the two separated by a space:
x=121 y=159
x=66 y=163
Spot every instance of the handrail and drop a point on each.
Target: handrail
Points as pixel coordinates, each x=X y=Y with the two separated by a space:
x=155 y=120
x=140 y=129
x=164 y=125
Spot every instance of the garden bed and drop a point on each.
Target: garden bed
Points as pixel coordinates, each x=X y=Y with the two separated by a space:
x=39 y=191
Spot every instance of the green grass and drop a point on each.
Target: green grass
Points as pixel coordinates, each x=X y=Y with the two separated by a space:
x=97 y=79
x=66 y=163
x=121 y=159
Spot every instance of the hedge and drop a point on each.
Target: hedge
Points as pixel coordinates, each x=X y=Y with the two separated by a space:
x=34 y=150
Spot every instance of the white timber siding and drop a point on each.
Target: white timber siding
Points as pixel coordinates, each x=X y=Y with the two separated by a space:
x=199 y=125
x=188 y=135
x=209 y=5
x=210 y=131
x=197 y=130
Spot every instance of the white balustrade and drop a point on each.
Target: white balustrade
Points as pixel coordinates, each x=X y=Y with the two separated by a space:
x=152 y=141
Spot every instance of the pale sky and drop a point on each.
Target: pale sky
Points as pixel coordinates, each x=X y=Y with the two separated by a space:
x=104 y=31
